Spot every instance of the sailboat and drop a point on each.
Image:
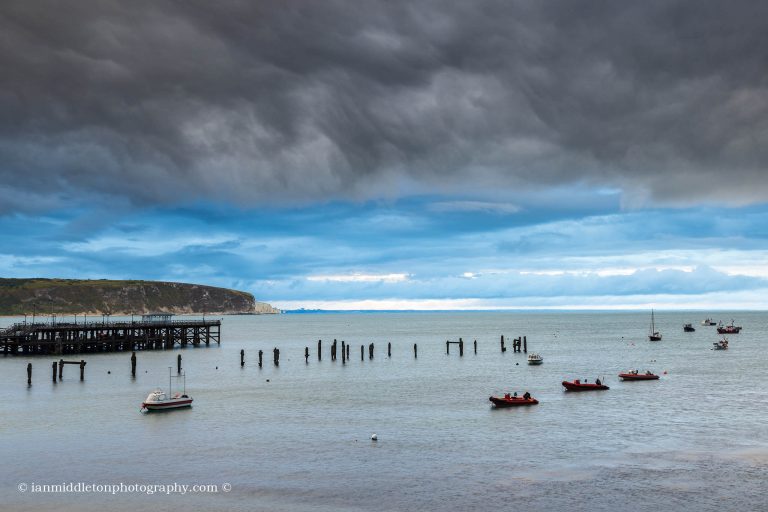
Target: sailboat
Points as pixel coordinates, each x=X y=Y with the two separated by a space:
x=653 y=334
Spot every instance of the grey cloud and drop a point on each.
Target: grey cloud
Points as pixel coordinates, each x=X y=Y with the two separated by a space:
x=264 y=102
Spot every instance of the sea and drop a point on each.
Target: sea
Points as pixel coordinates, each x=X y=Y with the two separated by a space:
x=297 y=437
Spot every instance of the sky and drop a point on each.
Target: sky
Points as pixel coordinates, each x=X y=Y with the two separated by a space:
x=392 y=154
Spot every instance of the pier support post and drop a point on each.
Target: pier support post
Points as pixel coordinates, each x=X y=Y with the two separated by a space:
x=242 y=357
x=370 y=351
x=261 y=357
x=475 y=346
x=347 y=351
x=319 y=350
x=61 y=368
x=178 y=364
x=306 y=355
x=525 y=344
x=82 y=370
x=415 y=351
x=133 y=364
x=447 y=347
x=276 y=353
x=343 y=352
x=389 y=349
x=29 y=374
x=461 y=347
x=333 y=350
x=362 y=352
x=53 y=367
x=503 y=348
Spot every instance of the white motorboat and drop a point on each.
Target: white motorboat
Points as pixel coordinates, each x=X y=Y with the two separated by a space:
x=535 y=359
x=158 y=400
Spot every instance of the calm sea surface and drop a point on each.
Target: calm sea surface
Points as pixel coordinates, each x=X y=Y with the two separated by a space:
x=297 y=437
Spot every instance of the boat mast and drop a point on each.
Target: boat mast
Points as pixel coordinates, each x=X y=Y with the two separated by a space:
x=169 y=381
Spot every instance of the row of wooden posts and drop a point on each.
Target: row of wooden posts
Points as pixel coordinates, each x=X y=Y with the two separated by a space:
x=60 y=366
x=518 y=345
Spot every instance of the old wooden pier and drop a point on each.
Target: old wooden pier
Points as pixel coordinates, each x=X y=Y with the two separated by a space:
x=76 y=338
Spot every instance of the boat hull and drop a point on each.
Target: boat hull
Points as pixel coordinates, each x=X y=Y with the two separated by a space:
x=535 y=362
x=631 y=376
x=728 y=330
x=582 y=386
x=167 y=405
x=499 y=401
x=654 y=337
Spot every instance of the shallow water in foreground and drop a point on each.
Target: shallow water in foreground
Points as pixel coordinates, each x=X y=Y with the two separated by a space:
x=297 y=437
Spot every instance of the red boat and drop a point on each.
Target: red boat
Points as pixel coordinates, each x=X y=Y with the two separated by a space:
x=577 y=385
x=635 y=375
x=728 y=329
x=512 y=401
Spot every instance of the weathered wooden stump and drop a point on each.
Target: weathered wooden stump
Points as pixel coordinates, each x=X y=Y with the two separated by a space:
x=82 y=370
x=343 y=352
x=133 y=364
x=178 y=364
x=503 y=348
x=461 y=347
x=415 y=351
x=319 y=350
x=525 y=344
x=370 y=351
x=261 y=357
x=53 y=367
x=242 y=357
x=306 y=355
x=29 y=374
x=362 y=352
x=389 y=349
x=276 y=354
x=475 y=346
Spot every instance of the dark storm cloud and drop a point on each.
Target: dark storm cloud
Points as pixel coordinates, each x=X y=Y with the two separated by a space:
x=263 y=102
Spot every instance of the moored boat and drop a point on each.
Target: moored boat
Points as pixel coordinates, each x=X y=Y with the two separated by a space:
x=688 y=328
x=708 y=322
x=653 y=334
x=636 y=375
x=535 y=359
x=720 y=345
x=577 y=385
x=158 y=400
x=512 y=401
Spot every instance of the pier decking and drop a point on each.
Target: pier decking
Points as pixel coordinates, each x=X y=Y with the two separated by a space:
x=76 y=338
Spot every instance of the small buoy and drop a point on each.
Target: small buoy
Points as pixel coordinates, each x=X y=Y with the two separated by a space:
x=109 y=372
x=267 y=380
x=517 y=364
x=374 y=437
x=665 y=372
x=217 y=367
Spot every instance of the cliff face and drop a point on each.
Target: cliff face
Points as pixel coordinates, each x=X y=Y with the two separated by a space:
x=74 y=296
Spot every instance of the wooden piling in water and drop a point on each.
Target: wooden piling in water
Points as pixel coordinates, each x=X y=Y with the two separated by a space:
x=242 y=357
x=333 y=350
x=319 y=350
x=370 y=351
x=133 y=365
x=475 y=346
x=343 y=352
x=347 y=351
x=362 y=352
x=61 y=368
x=82 y=370
x=261 y=356
x=415 y=351
x=178 y=364
x=461 y=347
x=447 y=347
x=306 y=355
x=276 y=354
x=53 y=367
x=503 y=348
x=389 y=349
x=525 y=344
x=29 y=374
